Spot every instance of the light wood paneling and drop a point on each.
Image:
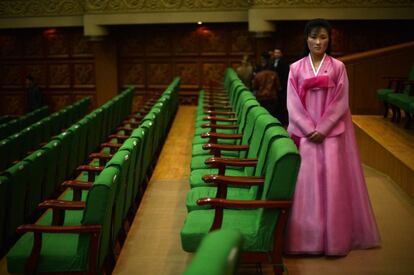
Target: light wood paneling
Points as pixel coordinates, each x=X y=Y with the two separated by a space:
x=388 y=148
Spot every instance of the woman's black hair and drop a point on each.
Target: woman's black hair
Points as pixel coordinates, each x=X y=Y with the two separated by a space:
x=317 y=24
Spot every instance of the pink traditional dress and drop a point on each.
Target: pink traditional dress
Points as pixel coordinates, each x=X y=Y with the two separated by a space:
x=331 y=212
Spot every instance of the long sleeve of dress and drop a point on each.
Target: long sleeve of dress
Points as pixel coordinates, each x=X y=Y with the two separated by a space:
x=338 y=105
x=299 y=118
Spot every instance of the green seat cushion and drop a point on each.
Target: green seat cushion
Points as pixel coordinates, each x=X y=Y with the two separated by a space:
x=199 y=130
x=198 y=223
x=197 y=174
x=59 y=251
x=383 y=93
x=217 y=255
x=233 y=193
x=198 y=150
x=200 y=140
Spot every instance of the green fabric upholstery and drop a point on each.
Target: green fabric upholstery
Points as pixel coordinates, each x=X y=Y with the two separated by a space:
x=37 y=167
x=267 y=131
x=4 y=182
x=256 y=225
x=17 y=189
x=121 y=160
x=218 y=254
x=70 y=252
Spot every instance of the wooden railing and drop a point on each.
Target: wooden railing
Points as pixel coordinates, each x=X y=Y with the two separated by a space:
x=366 y=71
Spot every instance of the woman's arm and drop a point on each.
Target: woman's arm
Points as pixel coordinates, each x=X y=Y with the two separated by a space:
x=299 y=117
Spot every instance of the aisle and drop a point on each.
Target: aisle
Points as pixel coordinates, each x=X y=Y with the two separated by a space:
x=153 y=244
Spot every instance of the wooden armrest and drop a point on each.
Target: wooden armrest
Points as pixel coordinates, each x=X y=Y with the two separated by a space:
x=125 y=129
x=103 y=158
x=119 y=137
x=92 y=171
x=59 y=229
x=59 y=207
x=65 y=205
x=250 y=204
x=219 y=113
x=208 y=96
x=77 y=187
x=225 y=147
x=219 y=126
x=215 y=107
x=221 y=135
x=137 y=116
x=233 y=180
x=33 y=259
x=113 y=146
x=215 y=118
x=130 y=122
x=220 y=203
x=217 y=161
x=216 y=102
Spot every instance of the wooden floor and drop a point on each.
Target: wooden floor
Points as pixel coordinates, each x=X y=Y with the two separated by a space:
x=153 y=244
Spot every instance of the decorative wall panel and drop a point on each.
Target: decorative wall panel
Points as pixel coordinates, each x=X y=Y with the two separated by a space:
x=84 y=75
x=9 y=46
x=153 y=55
x=59 y=76
x=60 y=60
x=189 y=73
x=13 y=104
x=159 y=74
x=58 y=45
x=11 y=76
x=132 y=74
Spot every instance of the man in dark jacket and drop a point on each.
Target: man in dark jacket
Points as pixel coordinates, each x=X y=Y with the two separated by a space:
x=281 y=67
x=34 y=95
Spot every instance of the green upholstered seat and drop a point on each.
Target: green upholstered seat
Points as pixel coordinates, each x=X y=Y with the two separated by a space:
x=253 y=115
x=272 y=131
x=71 y=252
x=258 y=226
x=218 y=254
x=280 y=179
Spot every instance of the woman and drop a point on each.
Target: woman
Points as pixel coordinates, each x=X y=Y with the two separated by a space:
x=331 y=212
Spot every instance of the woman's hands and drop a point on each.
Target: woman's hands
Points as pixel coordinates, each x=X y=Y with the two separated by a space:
x=316 y=137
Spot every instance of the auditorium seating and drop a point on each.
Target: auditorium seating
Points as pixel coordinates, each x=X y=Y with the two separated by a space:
x=261 y=221
x=245 y=185
x=16 y=146
x=218 y=254
x=17 y=124
x=399 y=96
x=93 y=208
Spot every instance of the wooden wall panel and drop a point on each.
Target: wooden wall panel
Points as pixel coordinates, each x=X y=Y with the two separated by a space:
x=60 y=60
x=150 y=56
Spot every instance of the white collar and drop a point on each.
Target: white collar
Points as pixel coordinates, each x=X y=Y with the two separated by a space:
x=320 y=64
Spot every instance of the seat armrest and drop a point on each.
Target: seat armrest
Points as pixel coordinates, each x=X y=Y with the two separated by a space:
x=233 y=180
x=92 y=171
x=77 y=187
x=59 y=207
x=215 y=118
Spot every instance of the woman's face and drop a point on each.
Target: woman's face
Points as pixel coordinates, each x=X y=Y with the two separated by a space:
x=318 y=41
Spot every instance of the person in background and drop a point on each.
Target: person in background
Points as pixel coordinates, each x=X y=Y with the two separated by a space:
x=34 y=95
x=245 y=71
x=331 y=212
x=266 y=87
x=281 y=67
